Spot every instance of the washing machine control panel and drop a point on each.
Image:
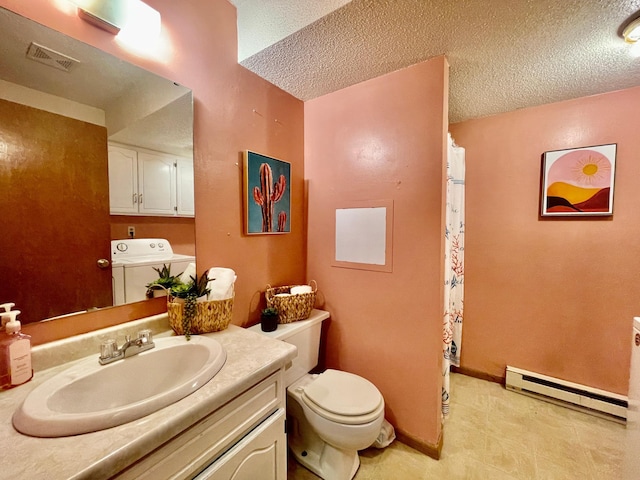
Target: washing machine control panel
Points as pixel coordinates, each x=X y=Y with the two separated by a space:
x=140 y=247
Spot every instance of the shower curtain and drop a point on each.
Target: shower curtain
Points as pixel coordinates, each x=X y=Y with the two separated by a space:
x=453 y=267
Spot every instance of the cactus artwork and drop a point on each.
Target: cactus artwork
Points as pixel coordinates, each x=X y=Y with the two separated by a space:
x=267 y=196
x=267 y=191
x=282 y=221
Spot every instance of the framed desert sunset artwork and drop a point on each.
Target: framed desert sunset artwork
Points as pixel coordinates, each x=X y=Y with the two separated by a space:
x=578 y=181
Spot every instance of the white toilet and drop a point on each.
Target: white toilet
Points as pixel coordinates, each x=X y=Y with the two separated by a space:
x=330 y=416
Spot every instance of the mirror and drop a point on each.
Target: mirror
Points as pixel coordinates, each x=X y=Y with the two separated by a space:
x=57 y=117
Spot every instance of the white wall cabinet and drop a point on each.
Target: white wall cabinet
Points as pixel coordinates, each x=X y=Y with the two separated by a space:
x=143 y=182
x=123 y=180
x=185 y=199
x=156 y=184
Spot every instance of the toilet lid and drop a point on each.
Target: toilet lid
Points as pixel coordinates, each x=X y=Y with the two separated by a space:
x=343 y=394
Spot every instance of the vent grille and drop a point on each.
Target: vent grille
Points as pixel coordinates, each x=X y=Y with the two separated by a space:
x=50 y=57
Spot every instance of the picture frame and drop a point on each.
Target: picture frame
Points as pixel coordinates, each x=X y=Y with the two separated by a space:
x=267 y=194
x=578 y=182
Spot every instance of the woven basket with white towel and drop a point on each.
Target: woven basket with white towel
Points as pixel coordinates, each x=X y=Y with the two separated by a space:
x=293 y=303
x=213 y=312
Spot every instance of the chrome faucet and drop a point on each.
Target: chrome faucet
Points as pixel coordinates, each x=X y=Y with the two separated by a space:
x=109 y=351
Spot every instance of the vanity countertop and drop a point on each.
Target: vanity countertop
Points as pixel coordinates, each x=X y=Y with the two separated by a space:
x=250 y=358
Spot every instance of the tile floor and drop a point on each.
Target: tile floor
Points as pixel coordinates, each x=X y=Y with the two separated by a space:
x=496 y=434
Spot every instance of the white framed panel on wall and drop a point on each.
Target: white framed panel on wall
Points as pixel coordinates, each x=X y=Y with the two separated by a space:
x=364 y=235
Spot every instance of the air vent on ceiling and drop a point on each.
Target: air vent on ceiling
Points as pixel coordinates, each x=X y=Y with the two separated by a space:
x=51 y=57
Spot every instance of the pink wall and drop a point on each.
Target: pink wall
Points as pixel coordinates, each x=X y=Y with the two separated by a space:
x=203 y=57
x=384 y=139
x=555 y=296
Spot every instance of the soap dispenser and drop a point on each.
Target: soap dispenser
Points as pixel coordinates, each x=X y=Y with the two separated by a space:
x=15 y=354
x=5 y=308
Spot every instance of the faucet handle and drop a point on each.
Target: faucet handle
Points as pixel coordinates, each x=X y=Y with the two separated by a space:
x=108 y=348
x=146 y=336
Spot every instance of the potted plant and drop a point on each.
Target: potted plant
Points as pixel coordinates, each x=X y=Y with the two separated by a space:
x=190 y=293
x=269 y=319
x=163 y=283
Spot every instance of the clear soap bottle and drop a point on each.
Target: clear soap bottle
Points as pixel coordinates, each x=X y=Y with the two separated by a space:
x=15 y=354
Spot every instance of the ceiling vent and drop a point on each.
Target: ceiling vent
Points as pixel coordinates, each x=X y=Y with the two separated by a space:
x=51 y=57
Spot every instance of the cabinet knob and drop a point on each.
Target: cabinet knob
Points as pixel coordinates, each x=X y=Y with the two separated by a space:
x=140 y=199
x=135 y=198
x=103 y=263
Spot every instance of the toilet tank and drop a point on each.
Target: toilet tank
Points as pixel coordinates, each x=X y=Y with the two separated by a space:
x=305 y=335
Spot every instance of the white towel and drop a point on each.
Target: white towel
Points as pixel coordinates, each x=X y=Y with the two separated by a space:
x=221 y=282
x=301 y=289
x=189 y=272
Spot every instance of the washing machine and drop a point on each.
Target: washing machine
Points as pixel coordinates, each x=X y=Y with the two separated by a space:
x=133 y=262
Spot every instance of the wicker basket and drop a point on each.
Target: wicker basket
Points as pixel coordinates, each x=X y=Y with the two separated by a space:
x=294 y=307
x=211 y=316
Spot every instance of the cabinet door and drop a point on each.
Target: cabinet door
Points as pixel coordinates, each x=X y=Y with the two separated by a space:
x=200 y=446
x=123 y=180
x=185 y=198
x=262 y=454
x=156 y=184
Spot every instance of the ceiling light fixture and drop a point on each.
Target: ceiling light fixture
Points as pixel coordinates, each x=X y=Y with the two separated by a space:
x=631 y=32
x=120 y=16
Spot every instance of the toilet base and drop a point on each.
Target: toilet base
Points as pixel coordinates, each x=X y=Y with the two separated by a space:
x=331 y=454
x=326 y=461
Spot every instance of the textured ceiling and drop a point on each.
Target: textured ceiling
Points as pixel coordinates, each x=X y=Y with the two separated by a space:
x=503 y=54
x=265 y=23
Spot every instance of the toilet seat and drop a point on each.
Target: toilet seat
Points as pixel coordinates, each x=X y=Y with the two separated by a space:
x=343 y=398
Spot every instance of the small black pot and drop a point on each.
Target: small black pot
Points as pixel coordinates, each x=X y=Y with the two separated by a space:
x=268 y=323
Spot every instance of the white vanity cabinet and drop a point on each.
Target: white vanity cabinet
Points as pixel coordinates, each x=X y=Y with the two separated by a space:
x=230 y=428
x=244 y=439
x=143 y=182
x=261 y=454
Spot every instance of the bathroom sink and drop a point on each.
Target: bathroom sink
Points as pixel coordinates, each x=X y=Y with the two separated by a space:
x=88 y=396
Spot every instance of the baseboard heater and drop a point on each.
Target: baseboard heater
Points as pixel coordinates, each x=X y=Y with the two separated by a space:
x=565 y=393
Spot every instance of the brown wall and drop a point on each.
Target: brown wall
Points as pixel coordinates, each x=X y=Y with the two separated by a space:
x=555 y=296
x=54 y=199
x=384 y=140
x=234 y=110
